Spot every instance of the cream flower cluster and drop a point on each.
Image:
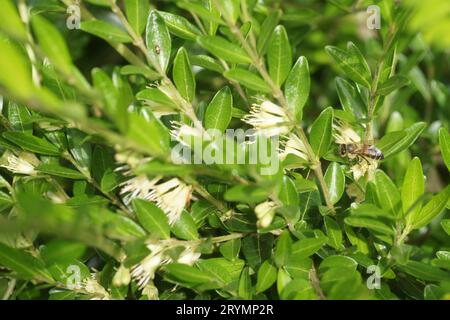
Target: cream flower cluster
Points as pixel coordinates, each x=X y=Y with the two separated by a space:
x=144 y=271
x=268 y=119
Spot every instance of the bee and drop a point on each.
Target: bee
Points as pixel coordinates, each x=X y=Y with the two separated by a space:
x=365 y=151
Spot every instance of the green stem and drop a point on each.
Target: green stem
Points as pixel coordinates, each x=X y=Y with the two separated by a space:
x=258 y=62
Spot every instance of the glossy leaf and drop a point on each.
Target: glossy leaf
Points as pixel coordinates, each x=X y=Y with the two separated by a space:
x=279 y=55
x=335 y=180
x=297 y=87
x=430 y=210
x=267 y=275
x=137 y=12
x=180 y=26
x=105 y=31
x=218 y=112
x=321 y=132
x=392 y=84
x=352 y=63
x=247 y=79
x=152 y=218
x=444 y=142
x=31 y=143
x=224 y=49
x=413 y=187
x=158 y=41
x=183 y=75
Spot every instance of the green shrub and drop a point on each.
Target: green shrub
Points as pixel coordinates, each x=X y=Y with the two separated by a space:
x=118 y=182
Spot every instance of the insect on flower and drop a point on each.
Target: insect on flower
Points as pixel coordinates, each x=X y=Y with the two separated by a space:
x=363 y=156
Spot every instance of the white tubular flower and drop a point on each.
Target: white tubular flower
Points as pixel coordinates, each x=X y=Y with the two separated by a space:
x=268 y=119
x=187 y=135
x=344 y=134
x=294 y=146
x=145 y=270
x=151 y=291
x=189 y=256
x=171 y=196
x=138 y=187
x=92 y=287
x=265 y=212
x=22 y=164
x=368 y=166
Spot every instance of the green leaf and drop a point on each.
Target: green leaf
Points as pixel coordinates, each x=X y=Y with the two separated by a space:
x=298 y=289
x=266 y=31
x=185 y=228
x=59 y=171
x=185 y=273
x=387 y=194
x=19 y=117
x=230 y=249
x=397 y=141
x=80 y=148
x=267 y=275
x=335 y=181
x=215 y=269
x=183 y=76
x=321 y=132
x=424 y=271
x=149 y=134
x=413 y=187
x=224 y=49
x=218 y=112
x=232 y=9
x=246 y=194
x=430 y=210
x=144 y=71
x=369 y=223
x=15 y=73
x=24 y=264
x=297 y=87
x=334 y=233
x=56 y=251
x=283 y=249
x=52 y=43
x=180 y=26
x=247 y=79
x=105 y=31
x=350 y=98
x=279 y=55
x=444 y=143
x=352 y=63
x=445 y=223
x=155 y=97
x=10 y=21
x=210 y=14
x=152 y=218
x=308 y=246
x=245 y=284
x=392 y=84
x=257 y=248
x=137 y=13
x=207 y=62
x=110 y=94
x=158 y=42
x=31 y=143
